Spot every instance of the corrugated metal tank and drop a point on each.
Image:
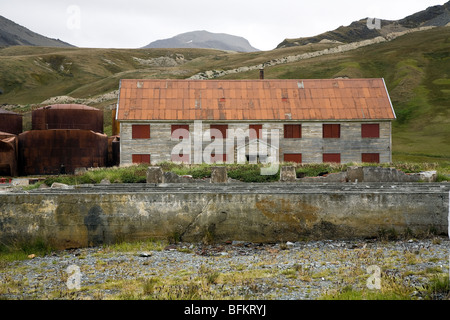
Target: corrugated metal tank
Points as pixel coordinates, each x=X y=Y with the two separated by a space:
x=61 y=151
x=10 y=122
x=67 y=116
x=8 y=155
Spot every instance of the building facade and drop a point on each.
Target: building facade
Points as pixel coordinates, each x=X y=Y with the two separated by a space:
x=303 y=121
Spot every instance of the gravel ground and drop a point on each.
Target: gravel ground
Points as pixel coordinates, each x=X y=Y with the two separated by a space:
x=237 y=270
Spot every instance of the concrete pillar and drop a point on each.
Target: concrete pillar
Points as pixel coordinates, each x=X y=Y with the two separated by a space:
x=155 y=175
x=219 y=175
x=288 y=174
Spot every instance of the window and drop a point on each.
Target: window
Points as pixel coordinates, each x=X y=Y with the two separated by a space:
x=255 y=131
x=182 y=133
x=292 y=131
x=370 y=157
x=293 y=157
x=140 y=131
x=184 y=158
x=216 y=128
x=140 y=158
x=218 y=158
x=370 y=130
x=331 y=157
x=331 y=130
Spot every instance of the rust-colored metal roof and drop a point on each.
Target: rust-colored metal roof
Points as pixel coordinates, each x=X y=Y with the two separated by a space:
x=233 y=100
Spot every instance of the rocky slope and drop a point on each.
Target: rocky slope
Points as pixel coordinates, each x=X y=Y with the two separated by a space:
x=365 y=29
x=12 y=34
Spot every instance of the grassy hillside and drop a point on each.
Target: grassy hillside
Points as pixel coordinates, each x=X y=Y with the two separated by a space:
x=415 y=67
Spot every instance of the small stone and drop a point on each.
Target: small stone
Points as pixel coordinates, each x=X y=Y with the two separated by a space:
x=170 y=247
x=145 y=254
x=57 y=185
x=289 y=244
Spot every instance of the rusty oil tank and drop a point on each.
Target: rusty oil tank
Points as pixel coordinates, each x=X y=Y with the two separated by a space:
x=61 y=151
x=10 y=122
x=8 y=155
x=67 y=116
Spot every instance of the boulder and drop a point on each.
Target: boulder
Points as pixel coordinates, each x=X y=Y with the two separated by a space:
x=219 y=175
x=288 y=174
x=155 y=175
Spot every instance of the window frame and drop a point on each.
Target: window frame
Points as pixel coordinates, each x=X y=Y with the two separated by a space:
x=331 y=154
x=332 y=132
x=174 y=127
x=289 y=131
x=134 y=158
x=138 y=132
x=257 y=128
x=223 y=128
x=370 y=154
x=293 y=154
x=367 y=130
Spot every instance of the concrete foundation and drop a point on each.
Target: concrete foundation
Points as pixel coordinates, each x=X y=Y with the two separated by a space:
x=93 y=215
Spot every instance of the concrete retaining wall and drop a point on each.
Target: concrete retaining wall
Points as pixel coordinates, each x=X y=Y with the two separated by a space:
x=98 y=214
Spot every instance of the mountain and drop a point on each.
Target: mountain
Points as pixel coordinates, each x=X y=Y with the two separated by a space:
x=367 y=29
x=206 y=40
x=12 y=34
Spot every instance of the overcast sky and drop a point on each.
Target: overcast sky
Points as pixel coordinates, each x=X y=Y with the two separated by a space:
x=136 y=23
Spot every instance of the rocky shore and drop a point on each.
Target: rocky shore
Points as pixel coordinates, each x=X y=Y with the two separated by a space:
x=232 y=270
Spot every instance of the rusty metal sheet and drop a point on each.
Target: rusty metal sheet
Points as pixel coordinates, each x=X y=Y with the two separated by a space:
x=8 y=156
x=51 y=151
x=67 y=116
x=343 y=94
x=10 y=122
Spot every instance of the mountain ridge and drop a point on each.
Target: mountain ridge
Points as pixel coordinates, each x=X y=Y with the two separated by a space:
x=13 y=34
x=367 y=28
x=203 y=39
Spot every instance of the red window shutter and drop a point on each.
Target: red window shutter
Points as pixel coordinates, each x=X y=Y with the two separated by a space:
x=331 y=157
x=183 y=134
x=292 y=130
x=221 y=127
x=370 y=130
x=255 y=131
x=370 y=157
x=331 y=130
x=184 y=158
x=287 y=131
x=218 y=157
x=140 y=131
x=140 y=158
x=293 y=157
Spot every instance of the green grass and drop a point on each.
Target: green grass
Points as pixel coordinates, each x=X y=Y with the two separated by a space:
x=241 y=172
x=21 y=249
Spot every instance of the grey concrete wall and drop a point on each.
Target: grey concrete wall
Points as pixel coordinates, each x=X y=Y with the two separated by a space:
x=250 y=212
x=350 y=145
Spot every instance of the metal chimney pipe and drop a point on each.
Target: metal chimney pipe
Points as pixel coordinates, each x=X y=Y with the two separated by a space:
x=261 y=74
